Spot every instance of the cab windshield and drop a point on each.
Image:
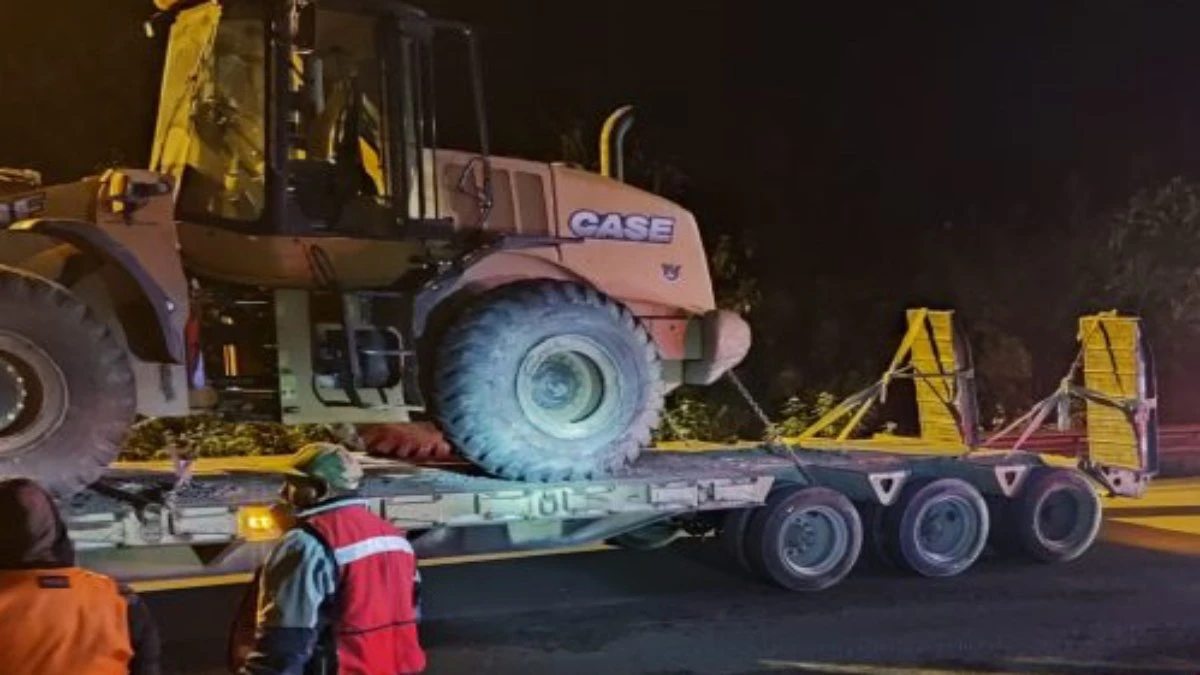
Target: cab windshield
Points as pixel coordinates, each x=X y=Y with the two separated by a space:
x=331 y=130
x=212 y=131
x=212 y=112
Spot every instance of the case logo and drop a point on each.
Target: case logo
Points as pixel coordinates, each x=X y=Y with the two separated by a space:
x=588 y=224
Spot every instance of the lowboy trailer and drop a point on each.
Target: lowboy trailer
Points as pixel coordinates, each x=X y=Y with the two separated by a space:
x=797 y=512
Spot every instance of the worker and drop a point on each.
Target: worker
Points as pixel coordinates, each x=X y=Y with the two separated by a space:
x=56 y=617
x=338 y=594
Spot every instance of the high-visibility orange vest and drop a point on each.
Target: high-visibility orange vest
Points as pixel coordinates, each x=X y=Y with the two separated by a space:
x=64 y=620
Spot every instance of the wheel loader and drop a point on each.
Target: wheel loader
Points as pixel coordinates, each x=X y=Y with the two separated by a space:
x=301 y=249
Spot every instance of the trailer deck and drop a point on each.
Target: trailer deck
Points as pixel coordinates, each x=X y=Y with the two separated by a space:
x=218 y=510
x=772 y=501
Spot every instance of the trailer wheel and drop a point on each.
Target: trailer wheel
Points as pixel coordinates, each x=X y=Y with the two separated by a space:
x=733 y=536
x=875 y=548
x=937 y=528
x=548 y=381
x=67 y=393
x=804 y=538
x=1056 y=517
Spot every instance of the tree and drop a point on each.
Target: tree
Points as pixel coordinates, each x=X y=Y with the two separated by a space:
x=1021 y=284
x=1152 y=258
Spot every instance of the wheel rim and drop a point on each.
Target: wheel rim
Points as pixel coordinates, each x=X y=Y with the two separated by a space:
x=1064 y=518
x=33 y=394
x=13 y=394
x=814 y=541
x=947 y=529
x=567 y=386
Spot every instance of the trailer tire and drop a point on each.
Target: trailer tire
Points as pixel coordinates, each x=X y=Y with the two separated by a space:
x=548 y=381
x=937 y=527
x=1056 y=516
x=875 y=549
x=67 y=392
x=804 y=538
x=733 y=536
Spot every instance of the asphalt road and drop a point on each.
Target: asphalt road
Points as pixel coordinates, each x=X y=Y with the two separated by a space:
x=1121 y=609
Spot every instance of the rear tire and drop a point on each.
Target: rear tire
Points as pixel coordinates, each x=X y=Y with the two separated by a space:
x=875 y=549
x=1056 y=516
x=67 y=392
x=548 y=381
x=937 y=528
x=733 y=536
x=804 y=538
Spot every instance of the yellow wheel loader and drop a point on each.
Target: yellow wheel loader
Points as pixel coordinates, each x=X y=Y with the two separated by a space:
x=300 y=249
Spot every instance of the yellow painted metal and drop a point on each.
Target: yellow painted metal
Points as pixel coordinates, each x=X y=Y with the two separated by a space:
x=927 y=354
x=827 y=420
x=901 y=445
x=935 y=366
x=606 y=139
x=856 y=419
x=1112 y=367
x=193 y=34
x=118 y=188
x=915 y=319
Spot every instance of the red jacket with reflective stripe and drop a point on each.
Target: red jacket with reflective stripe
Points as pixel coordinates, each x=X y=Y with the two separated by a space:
x=375 y=627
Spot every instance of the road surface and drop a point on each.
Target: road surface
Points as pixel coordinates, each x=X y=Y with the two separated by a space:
x=1132 y=605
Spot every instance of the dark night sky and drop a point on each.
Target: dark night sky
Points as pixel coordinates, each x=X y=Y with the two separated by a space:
x=838 y=125
x=865 y=113
x=832 y=132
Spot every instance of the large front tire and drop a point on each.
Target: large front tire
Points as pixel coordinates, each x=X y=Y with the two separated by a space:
x=67 y=392
x=548 y=381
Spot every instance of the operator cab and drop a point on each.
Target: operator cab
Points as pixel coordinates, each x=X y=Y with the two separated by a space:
x=302 y=118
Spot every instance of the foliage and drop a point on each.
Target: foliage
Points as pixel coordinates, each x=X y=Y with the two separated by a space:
x=1021 y=283
x=693 y=417
x=1004 y=375
x=1153 y=247
x=209 y=436
x=701 y=416
x=799 y=411
x=1152 y=258
x=737 y=288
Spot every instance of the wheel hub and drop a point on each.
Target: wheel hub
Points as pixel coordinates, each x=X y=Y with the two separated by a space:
x=947 y=529
x=13 y=394
x=1064 y=518
x=568 y=386
x=564 y=383
x=1059 y=516
x=813 y=542
x=34 y=396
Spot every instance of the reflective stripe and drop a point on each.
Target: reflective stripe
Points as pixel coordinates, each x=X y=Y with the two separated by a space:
x=370 y=547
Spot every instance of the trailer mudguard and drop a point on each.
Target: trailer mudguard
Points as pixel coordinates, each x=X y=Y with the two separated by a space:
x=152 y=307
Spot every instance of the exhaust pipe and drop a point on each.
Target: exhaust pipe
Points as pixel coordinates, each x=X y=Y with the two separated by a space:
x=620 y=121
